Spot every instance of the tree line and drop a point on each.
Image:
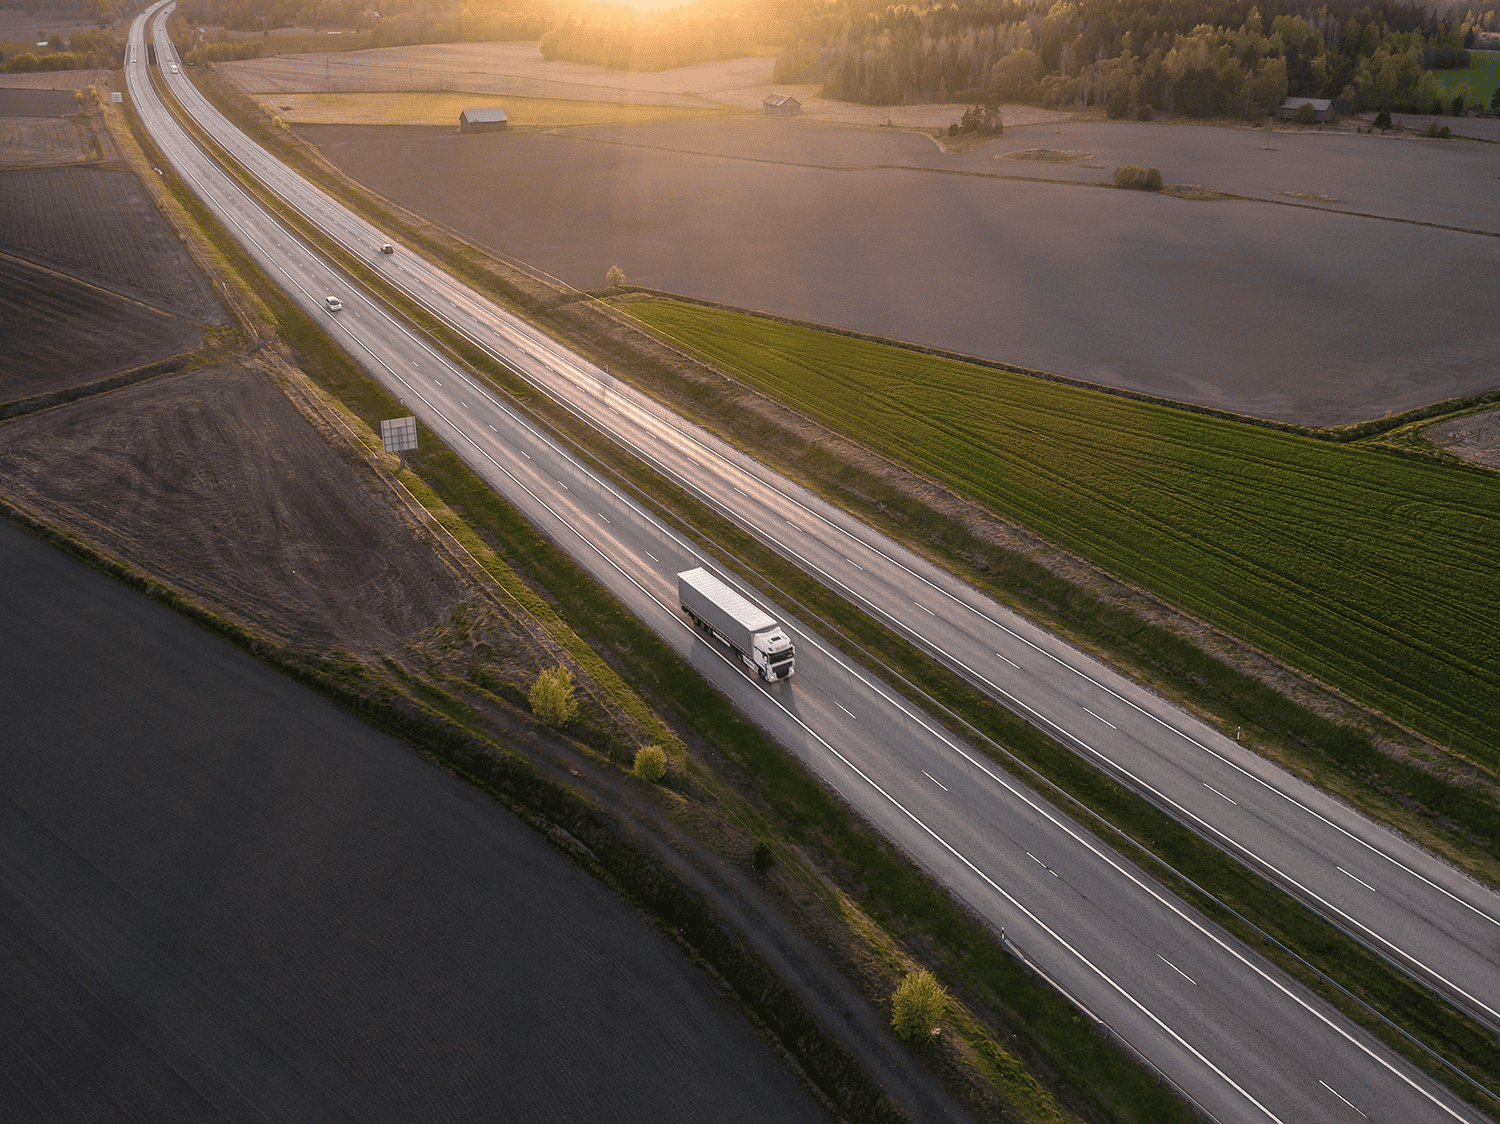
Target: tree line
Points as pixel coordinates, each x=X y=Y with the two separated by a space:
x=1202 y=58
x=391 y=23
x=88 y=48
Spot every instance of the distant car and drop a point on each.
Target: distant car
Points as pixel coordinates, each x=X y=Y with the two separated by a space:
x=174 y=68
x=334 y=304
x=387 y=248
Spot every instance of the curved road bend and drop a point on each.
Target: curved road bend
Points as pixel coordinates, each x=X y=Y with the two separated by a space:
x=1240 y=1039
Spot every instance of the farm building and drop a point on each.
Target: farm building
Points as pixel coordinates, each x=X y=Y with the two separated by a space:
x=1322 y=108
x=482 y=120
x=783 y=104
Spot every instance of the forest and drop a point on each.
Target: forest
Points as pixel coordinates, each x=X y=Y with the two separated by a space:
x=1198 y=58
x=88 y=48
x=393 y=22
x=1201 y=58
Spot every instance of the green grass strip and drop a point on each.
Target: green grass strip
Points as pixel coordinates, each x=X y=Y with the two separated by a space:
x=1372 y=571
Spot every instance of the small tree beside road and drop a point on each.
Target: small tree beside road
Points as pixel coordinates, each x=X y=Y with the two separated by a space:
x=919 y=1005
x=552 y=698
x=651 y=763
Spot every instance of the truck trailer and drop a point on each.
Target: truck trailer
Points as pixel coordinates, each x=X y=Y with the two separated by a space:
x=749 y=631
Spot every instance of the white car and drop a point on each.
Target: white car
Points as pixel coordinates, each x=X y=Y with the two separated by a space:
x=174 y=68
x=334 y=304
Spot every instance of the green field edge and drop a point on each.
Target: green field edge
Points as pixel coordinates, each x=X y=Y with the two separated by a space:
x=1370 y=688
x=1459 y=1039
x=1092 y=1071
x=1356 y=431
x=1365 y=986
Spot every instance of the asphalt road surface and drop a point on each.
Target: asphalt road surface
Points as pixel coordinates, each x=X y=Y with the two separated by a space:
x=1233 y=1034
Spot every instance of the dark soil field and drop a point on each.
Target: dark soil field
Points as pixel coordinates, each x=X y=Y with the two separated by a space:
x=37 y=128
x=236 y=500
x=116 y=289
x=99 y=225
x=223 y=899
x=1278 y=306
x=58 y=333
x=37 y=103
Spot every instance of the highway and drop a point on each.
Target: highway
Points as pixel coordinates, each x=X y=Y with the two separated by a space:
x=1232 y=1033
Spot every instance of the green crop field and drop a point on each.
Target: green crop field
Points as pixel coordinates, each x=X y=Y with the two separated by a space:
x=1482 y=75
x=1375 y=572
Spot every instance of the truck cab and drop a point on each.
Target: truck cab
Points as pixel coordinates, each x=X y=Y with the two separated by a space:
x=774 y=656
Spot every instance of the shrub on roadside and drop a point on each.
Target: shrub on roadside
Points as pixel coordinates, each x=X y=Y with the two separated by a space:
x=615 y=278
x=1382 y=119
x=1306 y=115
x=1135 y=178
x=1143 y=113
x=918 y=1005
x=552 y=698
x=651 y=763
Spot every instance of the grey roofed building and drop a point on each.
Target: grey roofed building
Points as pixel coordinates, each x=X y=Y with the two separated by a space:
x=482 y=120
x=782 y=103
x=1322 y=108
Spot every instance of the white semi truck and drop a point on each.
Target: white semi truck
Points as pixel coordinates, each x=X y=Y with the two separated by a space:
x=754 y=636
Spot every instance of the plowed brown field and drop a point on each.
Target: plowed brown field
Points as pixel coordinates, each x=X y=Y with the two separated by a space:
x=100 y=225
x=59 y=333
x=222 y=899
x=235 y=499
x=41 y=140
